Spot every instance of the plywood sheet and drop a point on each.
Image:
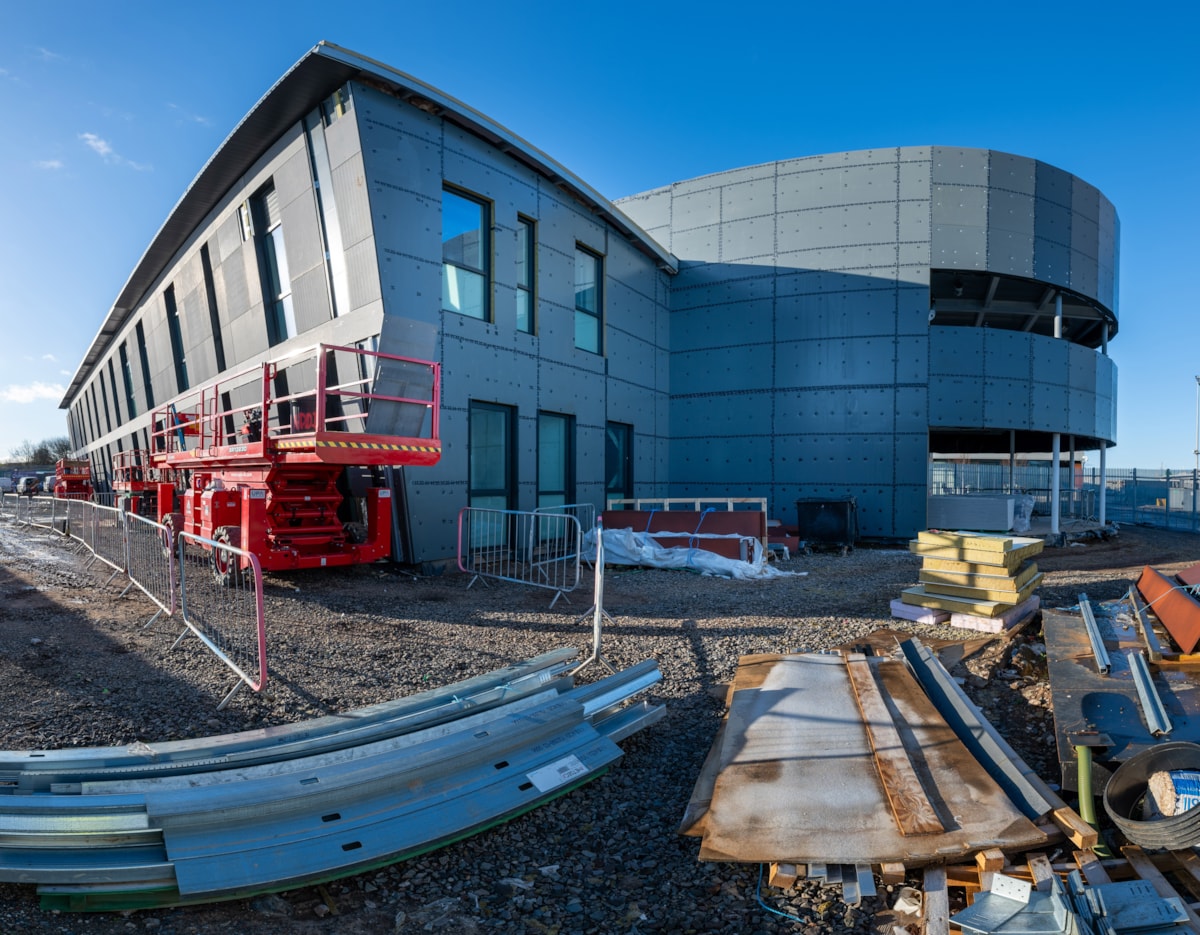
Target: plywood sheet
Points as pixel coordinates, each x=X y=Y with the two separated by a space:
x=800 y=783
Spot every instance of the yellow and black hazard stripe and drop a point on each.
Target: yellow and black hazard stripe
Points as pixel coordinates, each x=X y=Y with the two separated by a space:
x=363 y=446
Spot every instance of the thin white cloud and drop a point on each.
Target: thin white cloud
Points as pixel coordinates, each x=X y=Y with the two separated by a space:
x=102 y=148
x=31 y=392
x=49 y=164
x=186 y=117
x=47 y=56
x=50 y=357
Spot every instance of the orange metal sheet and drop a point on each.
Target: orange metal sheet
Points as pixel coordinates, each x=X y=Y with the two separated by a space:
x=1178 y=610
x=1190 y=576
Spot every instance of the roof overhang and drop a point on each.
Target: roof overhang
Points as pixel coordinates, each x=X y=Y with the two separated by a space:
x=318 y=74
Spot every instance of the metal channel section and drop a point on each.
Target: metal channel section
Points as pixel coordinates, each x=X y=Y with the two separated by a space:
x=1103 y=663
x=1152 y=707
x=313 y=801
x=38 y=771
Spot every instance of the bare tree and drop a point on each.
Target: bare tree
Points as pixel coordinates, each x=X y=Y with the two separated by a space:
x=46 y=451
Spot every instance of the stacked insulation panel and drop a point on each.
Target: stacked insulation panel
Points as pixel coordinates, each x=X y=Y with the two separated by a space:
x=984 y=582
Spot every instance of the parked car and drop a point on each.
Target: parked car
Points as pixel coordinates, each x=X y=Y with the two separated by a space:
x=6 y=485
x=27 y=486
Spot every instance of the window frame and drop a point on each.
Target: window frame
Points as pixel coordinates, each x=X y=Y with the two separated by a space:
x=593 y=317
x=484 y=274
x=526 y=279
x=625 y=468
x=567 y=492
x=508 y=490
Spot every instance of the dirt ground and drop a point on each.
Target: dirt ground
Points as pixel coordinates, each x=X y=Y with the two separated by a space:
x=80 y=667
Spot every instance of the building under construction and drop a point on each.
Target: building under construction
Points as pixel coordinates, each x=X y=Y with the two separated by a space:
x=811 y=327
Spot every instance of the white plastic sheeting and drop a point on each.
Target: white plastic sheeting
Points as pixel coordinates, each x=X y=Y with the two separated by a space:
x=626 y=547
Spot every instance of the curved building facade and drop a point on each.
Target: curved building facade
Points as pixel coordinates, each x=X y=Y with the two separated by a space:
x=804 y=328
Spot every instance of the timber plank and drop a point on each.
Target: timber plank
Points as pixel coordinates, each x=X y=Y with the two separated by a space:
x=1089 y=865
x=911 y=808
x=1041 y=871
x=937 y=902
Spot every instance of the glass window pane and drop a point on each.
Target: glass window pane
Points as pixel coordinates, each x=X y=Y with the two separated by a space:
x=552 y=453
x=523 y=270
x=524 y=316
x=585 y=281
x=463 y=291
x=489 y=454
x=463 y=229
x=587 y=332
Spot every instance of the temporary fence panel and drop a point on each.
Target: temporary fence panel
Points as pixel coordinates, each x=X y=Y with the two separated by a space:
x=584 y=513
x=220 y=598
x=108 y=537
x=150 y=561
x=538 y=549
x=80 y=516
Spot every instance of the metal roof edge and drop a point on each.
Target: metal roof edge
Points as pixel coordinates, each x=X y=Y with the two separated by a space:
x=314 y=76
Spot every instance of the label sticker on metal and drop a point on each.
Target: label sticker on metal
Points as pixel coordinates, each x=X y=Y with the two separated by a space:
x=554 y=775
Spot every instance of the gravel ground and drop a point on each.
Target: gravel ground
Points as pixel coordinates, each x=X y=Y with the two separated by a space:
x=78 y=667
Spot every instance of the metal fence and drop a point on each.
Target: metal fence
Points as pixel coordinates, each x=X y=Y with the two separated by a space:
x=541 y=550
x=1137 y=496
x=216 y=588
x=220 y=598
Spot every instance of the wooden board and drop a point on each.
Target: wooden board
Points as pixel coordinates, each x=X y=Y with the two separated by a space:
x=800 y=783
x=910 y=805
x=988 y=582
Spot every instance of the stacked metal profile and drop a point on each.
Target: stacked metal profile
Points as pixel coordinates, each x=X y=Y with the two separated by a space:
x=224 y=817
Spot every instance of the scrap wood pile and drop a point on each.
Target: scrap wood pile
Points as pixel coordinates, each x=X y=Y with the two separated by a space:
x=976 y=581
x=844 y=766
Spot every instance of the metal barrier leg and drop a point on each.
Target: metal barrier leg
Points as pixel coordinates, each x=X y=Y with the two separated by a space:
x=228 y=698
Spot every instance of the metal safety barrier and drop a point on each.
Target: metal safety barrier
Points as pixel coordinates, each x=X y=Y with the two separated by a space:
x=541 y=550
x=108 y=538
x=220 y=599
x=150 y=562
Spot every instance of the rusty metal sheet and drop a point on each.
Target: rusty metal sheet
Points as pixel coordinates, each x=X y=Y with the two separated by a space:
x=799 y=784
x=1178 y=610
x=1190 y=576
x=1103 y=711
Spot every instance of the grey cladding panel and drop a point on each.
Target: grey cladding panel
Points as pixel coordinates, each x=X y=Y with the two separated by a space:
x=649 y=211
x=1053 y=221
x=915 y=180
x=1053 y=184
x=1085 y=200
x=912 y=409
x=1007 y=354
x=1084 y=273
x=229 y=239
x=960 y=206
x=744 y=367
x=1049 y=407
x=748 y=240
x=958 y=247
x=912 y=359
x=1010 y=211
x=1051 y=261
x=700 y=244
x=851 y=225
x=1010 y=253
x=709 y=417
x=1085 y=237
x=868 y=312
x=854 y=362
x=748 y=200
x=341 y=136
x=953 y=166
x=1082 y=367
x=353 y=205
x=696 y=209
x=1005 y=403
x=293 y=178
x=914 y=219
x=837 y=186
x=851 y=460
x=1016 y=174
x=310 y=299
x=869 y=409
x=364 y=278
x=955 y=351
x=709 y=326
x=955 y=402
x=302 y=235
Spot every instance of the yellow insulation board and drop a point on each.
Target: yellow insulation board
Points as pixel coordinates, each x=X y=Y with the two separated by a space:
x=956 y=605
x=989 y=581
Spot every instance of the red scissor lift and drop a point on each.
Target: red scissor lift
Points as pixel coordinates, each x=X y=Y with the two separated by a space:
x=264 y=476
x=73 y=479
x=136 y=480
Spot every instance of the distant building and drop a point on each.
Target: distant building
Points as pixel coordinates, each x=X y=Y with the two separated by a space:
x=811 y=327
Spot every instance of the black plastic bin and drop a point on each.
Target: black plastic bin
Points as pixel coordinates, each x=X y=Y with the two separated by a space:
x=829 y=523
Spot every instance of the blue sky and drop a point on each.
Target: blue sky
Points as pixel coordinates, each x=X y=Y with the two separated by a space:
x=111 y=109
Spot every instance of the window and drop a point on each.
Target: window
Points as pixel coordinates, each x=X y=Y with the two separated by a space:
x=465 y=256
x=618 y=461
x=556 y=459
x=214 y=317
x=589 y=299
x=526 y=274
x=127 y=376
x=490 y=459
x=145 y=361
x=104 y=399
x=177 y=353
x=267 y=230
x=112 y=381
